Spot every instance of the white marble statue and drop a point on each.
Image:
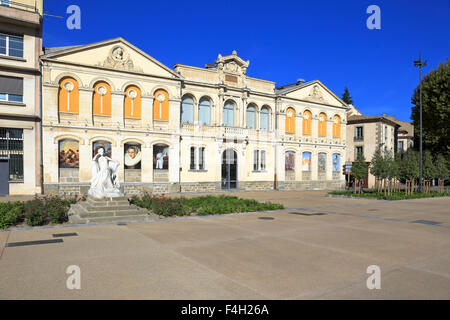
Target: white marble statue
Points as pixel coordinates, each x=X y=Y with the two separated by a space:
x=105 y=177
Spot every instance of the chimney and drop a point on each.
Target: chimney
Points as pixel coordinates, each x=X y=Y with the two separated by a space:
x=300 y=81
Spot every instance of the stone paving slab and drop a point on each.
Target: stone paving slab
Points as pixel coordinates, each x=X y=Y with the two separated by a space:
x=241 y=256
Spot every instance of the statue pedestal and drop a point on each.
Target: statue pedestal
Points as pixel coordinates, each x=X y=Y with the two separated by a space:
x=106 y=210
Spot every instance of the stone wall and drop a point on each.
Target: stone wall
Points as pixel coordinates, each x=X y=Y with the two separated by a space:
x=133 y=175
x=257 y=185
x=322 y=175
x=290 y=175
x=200 y=187
x=69 y=175
x=311 y=185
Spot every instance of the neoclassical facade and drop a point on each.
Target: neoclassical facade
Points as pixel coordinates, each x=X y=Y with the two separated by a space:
x=186 y=129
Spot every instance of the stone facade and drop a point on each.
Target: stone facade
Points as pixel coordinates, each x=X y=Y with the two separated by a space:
x=196 y=129
x=20 y=165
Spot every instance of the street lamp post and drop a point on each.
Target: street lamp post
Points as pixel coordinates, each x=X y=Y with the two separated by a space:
x=419 y=63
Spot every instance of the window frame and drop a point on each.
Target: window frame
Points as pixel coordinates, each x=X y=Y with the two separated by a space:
x=8 y=46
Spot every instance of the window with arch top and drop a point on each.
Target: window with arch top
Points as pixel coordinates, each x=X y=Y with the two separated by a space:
x=228 y=114
x=161 y=105
x=132 y=103
x=290 y=120
x=307 y=122
x=68 y=98
x=264 y=122
x=102 y=99
x=336 y=126
x=204 y=112
x=187 y=110
x=251 y=116
x=322 y=125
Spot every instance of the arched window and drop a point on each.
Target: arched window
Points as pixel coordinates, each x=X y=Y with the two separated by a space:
x=187 y=110
x=102 y=99
x=204 y=112
x=132 y=104
x=290 y=120
x=251 y=117
x=336 y=126
x=306 y=161
x=68 y=95
x=161 y=105
x=228 y=114
x=307 y=122
x=322 y=125
x=264 y=122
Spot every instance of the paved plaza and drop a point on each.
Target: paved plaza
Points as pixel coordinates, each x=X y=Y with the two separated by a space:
x=317 y=248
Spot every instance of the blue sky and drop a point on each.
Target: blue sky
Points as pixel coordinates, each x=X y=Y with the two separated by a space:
x=284 y=40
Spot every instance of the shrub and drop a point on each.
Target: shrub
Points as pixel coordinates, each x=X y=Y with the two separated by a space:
x=35 y=214
x=10 y=214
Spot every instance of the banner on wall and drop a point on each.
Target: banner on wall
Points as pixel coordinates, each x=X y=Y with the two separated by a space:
x=69 y=155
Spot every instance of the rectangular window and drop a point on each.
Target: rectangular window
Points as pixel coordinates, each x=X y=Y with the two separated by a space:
x=400 y=146
x=359 y=150
x=11 y=89
x=11 y=149
x=255 y=160
x=192 y=158
x=359 y=133
x=263 y=160
x=201 y=158
x=11 y=45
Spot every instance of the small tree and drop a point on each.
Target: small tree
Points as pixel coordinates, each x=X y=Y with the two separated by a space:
x=376 y=167
x=359 y=170
x=429 y=170
x=410 y=169
x=442 y=171
x=397 y=169
x=346 y=96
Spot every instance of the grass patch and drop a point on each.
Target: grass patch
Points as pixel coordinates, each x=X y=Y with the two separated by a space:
x=200 y=206
x=394 y=196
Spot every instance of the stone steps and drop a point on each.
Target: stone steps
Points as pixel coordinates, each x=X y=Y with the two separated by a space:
x=106 y=210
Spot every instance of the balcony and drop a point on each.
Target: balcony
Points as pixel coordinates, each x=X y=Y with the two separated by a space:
x=21 y=13
x=358 y=138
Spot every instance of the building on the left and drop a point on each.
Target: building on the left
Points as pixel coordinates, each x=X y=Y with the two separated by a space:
x=20 y=138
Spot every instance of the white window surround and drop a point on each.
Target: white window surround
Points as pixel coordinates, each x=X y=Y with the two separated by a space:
x=259 y=160
x=199 y=158
x=5 y=48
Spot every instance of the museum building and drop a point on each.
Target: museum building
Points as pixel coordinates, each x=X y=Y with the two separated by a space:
x=186 y=129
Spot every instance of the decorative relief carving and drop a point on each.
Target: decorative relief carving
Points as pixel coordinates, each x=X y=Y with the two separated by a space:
x=119 y=59
x=315 y=94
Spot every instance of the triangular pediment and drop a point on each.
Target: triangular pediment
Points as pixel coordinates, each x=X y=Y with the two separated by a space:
x=314 y=91
x=117 y=54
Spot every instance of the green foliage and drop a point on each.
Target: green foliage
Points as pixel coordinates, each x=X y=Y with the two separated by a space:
x=429 y=169
x=359 y=168
x=436 y=110
x=10 y=214
x=410 y=165
x=201 y=206
x=377 y=163
x=394 y=196
x=37 y=212
x=346 y=96
x=441 y=167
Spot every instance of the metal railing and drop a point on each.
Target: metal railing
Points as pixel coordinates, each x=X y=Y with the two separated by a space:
x=18 y=5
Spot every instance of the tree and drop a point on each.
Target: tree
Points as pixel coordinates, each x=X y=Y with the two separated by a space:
x=376 y=166
x=410 y=169
x=429 y=170
x=346 y=96
x=436 y=110
x=359 y=170
x=442 y=171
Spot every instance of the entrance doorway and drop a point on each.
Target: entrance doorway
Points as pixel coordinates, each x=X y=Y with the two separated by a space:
x=229 y=169
x=4 y=177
